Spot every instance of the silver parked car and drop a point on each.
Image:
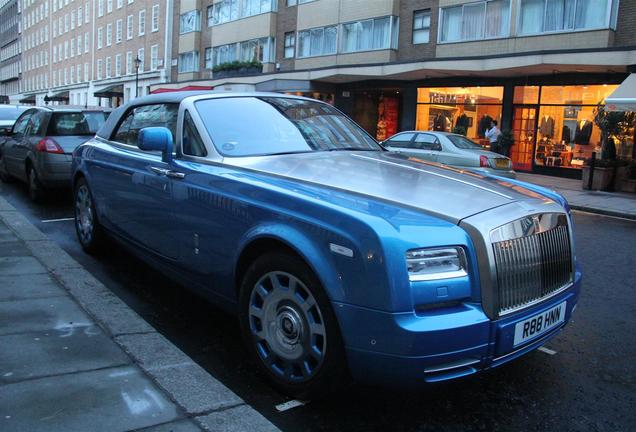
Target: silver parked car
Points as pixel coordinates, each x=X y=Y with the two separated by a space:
x=9 y=114
x=39 y=146
x=450 y=149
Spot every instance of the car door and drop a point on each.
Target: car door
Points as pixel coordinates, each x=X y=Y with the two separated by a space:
x=13 y=149
x=427 y=146
x=131 y=185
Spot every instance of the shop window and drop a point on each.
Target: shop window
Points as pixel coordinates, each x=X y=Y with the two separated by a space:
x=468 y=110
x=526 y=95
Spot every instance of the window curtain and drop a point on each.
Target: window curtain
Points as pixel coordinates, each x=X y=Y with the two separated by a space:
x=382 y=33
x=317 y=36
x=497 y=18
x=331 y=34
x=473 y=21
x=304 y=39
x=451 y=24
x=559 y=15
x=531 y=20
x=591 y=13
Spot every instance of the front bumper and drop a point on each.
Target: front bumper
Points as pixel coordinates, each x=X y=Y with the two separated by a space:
x=445 y=343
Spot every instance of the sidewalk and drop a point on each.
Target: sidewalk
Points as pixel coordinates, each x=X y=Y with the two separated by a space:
x=74 y=357
x=607 y=203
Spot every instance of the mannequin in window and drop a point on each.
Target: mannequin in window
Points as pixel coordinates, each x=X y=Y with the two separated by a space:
x=439 y=123
x=547 y=126
x=583 y=132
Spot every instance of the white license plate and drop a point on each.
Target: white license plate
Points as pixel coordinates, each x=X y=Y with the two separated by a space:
x=539 y=324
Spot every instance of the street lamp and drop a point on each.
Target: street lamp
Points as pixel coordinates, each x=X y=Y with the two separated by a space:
x=137 y=64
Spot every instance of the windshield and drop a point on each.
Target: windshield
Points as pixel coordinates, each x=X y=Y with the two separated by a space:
x=251 y=126
x=11 y=112
x=464 y=143
x=76 y=123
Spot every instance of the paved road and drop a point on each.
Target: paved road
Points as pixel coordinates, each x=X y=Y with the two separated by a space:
x=589 y=384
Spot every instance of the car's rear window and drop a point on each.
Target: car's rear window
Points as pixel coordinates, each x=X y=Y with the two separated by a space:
x=76 y=123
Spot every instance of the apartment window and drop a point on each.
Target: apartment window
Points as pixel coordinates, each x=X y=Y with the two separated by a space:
x=120 y=4
x=208 y=58
x=421 y=27
x=190 y=22
x=141 y=56
x=367 y=35
x=255 y=7
x=154 y=57
x=295 y=2
x=86 y=41
x=109 y=34
x=318 y=41
x=86 y=77
x=100 y=34
x=79 y=45
x=108 y=67
x=72 y=20
x=109 y=6
x=79 y=73
x=539 y=16
x=473 y=21
x=255 y=49
x=142 y=22
x=290 y=44
x=129 y=62
x=54 y=28
x=66 y=23
x=87 y=14
x=100 y=8
x=65 y=50
x=119 y=31
x=155 y=18
x=210 y=15
x=99 y=69
x=189 y=62
x=72 y=43
x=72 y=74
x=118 y=65
x=80 y=16
x=129 y=27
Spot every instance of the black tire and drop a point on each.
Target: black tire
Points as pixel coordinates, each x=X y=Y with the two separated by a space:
x=5 y=177
x=328 y=374
x=91 y=239
x=36 y=189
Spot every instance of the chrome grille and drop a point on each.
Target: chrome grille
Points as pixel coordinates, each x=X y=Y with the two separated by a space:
x=534 y=260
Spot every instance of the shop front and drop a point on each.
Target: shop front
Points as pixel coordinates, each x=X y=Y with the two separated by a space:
x=465 y=110
x=554 y=128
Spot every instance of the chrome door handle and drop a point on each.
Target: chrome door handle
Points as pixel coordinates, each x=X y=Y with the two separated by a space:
x=160 y=171
x=175 y=174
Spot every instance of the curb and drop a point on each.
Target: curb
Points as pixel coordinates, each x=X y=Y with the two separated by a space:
x=203 y=398
x=604 y=212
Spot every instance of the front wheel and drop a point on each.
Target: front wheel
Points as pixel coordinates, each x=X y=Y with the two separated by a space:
x=290 y=328
x=89 y=231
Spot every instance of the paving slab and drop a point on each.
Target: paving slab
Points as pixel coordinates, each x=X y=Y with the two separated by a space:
x=18 y=287
x=177 y=426
x=51 y=255
x=239 y=419
x=17 y=265
x=108 y=400
x=13 y=248
x=55 y=352
x=6 y=235
x=53 y=313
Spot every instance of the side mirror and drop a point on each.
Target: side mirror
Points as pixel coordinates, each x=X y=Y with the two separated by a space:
x=156 y=139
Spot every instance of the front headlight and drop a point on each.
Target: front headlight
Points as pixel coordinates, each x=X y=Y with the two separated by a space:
x=434 y=264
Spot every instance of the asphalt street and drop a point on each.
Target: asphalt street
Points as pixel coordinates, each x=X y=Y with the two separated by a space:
x=585 y=380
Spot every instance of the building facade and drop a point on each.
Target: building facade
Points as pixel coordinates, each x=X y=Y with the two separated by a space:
x=538 y=67
x=94 y=52
x=10 y=50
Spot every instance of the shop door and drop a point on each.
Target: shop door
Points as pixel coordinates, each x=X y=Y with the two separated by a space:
x=524 y=131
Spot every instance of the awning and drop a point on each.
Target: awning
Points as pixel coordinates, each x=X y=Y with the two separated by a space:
x=624 y=97
x=30 y=99
x=186 y=88
x=116 y=90
x=59 y=97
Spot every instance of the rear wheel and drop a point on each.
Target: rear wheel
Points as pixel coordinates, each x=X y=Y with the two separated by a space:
x=289 y=327
x=36 y=190
x=89 y=231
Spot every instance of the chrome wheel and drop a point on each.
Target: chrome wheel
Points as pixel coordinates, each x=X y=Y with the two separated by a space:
x=287 y=326
x=84 y=214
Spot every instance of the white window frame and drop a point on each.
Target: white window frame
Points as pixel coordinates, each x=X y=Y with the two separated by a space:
x=414 y=30
x=141 y=23
x=130 y=27
x=155 y=18
x=440 y=23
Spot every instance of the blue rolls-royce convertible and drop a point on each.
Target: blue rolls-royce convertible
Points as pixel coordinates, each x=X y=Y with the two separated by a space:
x=339 y=258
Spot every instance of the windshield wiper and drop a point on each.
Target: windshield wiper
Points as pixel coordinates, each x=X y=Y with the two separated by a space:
x=350 y=149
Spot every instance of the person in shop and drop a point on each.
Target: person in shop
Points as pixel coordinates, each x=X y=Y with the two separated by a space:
x=492 y=135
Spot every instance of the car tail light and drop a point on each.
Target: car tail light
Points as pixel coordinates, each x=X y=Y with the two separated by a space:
x=483 y=161
x=48 y=145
